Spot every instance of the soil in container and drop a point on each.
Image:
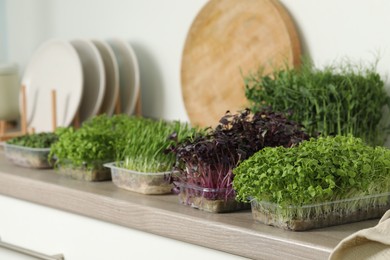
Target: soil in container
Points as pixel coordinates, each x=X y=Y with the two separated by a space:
x=142 y=184
x=145 y=183
x=321 y=215
x=84 y=174
x=210 y=200
x=28 y=157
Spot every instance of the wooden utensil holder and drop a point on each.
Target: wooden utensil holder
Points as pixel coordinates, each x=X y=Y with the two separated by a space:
x=4 y=135
x=138 y=105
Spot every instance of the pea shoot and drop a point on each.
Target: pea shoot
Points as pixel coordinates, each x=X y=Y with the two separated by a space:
x=337 y=100
x=143 y=145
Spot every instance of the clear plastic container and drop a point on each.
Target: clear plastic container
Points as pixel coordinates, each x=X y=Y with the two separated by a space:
x=141 y=182
x=28 y=157
x=300 y=218
x=97 y=173
x=210 y=200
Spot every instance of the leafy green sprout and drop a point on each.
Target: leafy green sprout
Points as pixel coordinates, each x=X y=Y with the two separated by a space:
x=317 y=172
x=138 y=142
x=339 y=99
x=90 y=145
x=38 y=140
x=143 y=146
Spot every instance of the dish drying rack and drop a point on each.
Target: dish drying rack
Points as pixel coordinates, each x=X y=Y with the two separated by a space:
x=5 y=135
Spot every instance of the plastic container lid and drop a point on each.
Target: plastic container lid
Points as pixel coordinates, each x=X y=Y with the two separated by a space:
x=8 y=68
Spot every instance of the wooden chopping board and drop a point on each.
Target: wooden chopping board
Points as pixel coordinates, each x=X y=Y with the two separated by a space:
x=227 y=40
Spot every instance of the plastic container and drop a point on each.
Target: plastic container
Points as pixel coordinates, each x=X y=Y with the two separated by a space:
x=300 y=218
x=210 y=200
x=141 y=182
x=28 y=157
x=97 y=173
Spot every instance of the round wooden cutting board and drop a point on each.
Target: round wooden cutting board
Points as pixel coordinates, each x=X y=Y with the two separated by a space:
x=227 y=40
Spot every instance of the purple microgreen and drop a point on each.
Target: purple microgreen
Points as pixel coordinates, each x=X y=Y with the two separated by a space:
x=208 y=160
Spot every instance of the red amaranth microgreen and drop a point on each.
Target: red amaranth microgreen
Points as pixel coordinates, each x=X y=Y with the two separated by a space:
x=207 y=160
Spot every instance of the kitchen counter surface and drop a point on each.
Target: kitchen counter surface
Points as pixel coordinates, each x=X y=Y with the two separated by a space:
x=236 y=233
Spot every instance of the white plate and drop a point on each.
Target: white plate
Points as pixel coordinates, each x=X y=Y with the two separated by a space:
x=128 y=73
x=55 y=65
x=94 y=78
x=112 y=77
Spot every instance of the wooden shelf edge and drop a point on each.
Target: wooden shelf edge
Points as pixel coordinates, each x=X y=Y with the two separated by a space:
x=234 y=233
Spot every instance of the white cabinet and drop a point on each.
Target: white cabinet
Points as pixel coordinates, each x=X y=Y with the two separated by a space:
x=14 y=255
x=52 y=232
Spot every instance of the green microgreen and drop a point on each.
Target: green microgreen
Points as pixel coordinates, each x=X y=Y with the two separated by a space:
x=38 y=140
x=316 y=171
x=91 y=144
x=138 y=142
x=144 y=142
x=341 y=99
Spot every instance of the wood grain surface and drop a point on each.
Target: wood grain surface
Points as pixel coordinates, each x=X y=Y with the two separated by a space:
x=227 y=40
x=236 y=233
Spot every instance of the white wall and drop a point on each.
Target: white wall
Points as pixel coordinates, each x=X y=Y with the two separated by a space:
x=329 y=29
x=26 y=26
x=334 y=29
x=3 y=40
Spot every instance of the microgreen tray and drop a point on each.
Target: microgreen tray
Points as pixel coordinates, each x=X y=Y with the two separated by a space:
x=300 y=218
x=141 y=182
x=96 y=173
x=28 y=157
x=210 y=200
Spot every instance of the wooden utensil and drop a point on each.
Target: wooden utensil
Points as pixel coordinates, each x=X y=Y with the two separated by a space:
x=227 y=40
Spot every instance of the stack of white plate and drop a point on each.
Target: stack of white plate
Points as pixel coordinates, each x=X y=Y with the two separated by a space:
x=90 y=77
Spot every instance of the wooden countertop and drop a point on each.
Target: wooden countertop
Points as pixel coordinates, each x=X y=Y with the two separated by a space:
x=235 y=233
